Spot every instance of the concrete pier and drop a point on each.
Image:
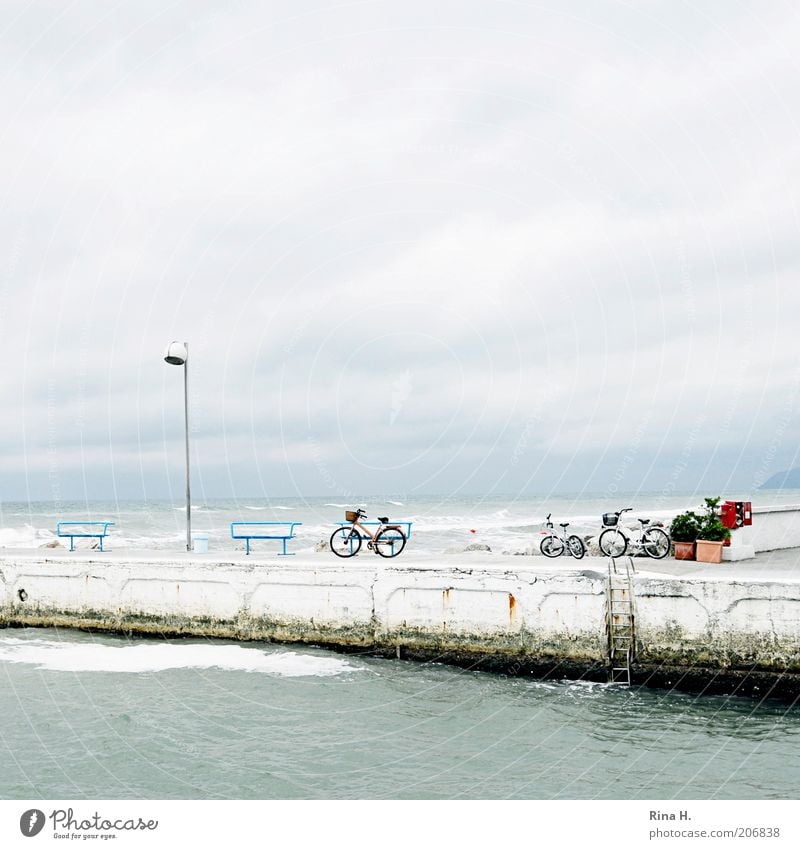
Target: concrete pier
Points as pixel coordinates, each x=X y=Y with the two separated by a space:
x=733 y=627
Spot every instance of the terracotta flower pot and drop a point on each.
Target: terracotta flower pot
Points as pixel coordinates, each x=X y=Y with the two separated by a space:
x=708 y=551
x=684 y=550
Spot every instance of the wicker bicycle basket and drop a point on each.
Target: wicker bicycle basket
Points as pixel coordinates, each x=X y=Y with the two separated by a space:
x=610 y=519
x=350 y=516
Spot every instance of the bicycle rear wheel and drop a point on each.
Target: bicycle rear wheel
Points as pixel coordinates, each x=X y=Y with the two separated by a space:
x=551 y=546
x=389 y=542
x=576 y=547
x=345 y=541
x=613 y=543
x=656 y=543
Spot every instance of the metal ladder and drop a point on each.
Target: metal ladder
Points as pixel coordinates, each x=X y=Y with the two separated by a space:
x=620 y=620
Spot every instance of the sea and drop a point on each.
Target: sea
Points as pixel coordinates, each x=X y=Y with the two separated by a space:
x=503 y=522
x=90 y=716
x=98 y=716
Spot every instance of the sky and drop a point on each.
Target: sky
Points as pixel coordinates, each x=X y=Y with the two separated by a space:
x=415 y=248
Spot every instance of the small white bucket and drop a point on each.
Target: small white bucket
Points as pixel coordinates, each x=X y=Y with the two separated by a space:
x=200 y=543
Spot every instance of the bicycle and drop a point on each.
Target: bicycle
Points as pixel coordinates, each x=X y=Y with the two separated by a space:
x=387 y=541
x=554 y=545
x=613 y=542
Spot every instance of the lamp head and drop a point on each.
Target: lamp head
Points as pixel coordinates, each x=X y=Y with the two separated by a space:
x=176 y=353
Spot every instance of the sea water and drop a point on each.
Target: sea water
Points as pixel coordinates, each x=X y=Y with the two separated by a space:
x=503 y=522
x=91 y=716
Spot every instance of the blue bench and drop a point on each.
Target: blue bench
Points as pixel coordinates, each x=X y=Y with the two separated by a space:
x=84 y=531
x=249 y=534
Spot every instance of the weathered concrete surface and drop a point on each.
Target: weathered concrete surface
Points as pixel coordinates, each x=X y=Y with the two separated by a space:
x=715 y=626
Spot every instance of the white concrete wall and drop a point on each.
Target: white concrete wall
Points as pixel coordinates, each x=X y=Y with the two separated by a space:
x=728 y=623
x=348 y=602
x=773 y=528
x=495 y=605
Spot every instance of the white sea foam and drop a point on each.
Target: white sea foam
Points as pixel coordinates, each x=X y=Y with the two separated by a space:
x=280 y=507
x=396 y=503
x=88 y=657
x=26 y=536
x=343 y=506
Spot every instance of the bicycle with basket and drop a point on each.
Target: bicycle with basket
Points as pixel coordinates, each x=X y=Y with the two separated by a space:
x=614 y=541
x=387 y=541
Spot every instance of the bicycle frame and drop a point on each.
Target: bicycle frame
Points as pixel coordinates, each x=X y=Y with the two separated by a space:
x=634 y=536
x=560 y=535
x=365 y=532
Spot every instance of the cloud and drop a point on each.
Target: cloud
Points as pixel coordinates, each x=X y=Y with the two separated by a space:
x=414 y=246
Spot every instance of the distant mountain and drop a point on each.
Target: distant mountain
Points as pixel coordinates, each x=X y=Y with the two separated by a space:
x=789 y=479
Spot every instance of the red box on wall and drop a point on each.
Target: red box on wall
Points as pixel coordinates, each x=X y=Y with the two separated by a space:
x=735 y=514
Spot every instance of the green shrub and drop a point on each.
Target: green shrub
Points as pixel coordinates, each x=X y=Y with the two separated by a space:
x=685 y=527
x=711 y=527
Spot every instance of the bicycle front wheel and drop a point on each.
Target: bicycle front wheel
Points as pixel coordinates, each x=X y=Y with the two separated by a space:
x=613 y=543
x=655 y=543
x=389 y=542
x=551 y=546
x=576 y=547
x=345 y=541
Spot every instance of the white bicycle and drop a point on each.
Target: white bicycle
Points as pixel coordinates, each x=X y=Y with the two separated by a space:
x=614 y=541
x=554 y=544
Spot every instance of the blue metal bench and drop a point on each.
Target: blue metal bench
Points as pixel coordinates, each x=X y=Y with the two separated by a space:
x=254 y=534
x=83 y=531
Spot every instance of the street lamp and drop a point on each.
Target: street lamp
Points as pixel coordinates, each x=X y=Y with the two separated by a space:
x=177 y=354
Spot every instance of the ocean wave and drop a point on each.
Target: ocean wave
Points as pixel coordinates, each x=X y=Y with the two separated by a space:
x=87 y=657
x=26 y=536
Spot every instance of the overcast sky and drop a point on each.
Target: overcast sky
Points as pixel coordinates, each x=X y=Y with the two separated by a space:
x=417 y=247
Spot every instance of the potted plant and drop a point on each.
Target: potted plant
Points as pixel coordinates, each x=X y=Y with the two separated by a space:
x=684 y=530
x=712 y=534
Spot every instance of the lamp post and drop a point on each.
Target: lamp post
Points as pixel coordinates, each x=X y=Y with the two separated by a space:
x=177 y=354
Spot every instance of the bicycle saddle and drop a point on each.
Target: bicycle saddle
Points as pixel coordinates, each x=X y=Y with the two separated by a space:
x=563 y=524
x=383 y=519
x=645 y=521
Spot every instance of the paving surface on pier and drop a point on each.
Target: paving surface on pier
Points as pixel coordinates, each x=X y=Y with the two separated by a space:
x=781 y=565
